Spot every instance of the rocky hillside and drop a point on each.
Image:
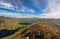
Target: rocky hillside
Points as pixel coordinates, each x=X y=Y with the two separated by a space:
x=47 y=32
x=42 y=31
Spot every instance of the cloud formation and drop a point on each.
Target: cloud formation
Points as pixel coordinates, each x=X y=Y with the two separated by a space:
x=15 y=15
x=7 y=14
x=6 y=4
x=34 y=8
x=52 y=10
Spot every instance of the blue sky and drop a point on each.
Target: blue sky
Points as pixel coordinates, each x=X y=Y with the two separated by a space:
x=30 y=8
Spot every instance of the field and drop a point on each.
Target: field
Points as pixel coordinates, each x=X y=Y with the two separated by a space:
x=18 y=28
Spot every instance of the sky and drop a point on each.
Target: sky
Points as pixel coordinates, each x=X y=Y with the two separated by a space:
x=30 y=8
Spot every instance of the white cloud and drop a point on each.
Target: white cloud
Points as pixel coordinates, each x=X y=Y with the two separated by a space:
x=31 y=10
x=16 y=15
x=28 y=16
x=52 y=10
x=24 y=9
x=7 y=14
x=6 y=4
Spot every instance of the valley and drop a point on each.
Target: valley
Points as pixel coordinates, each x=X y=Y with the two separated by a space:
x=29 y=28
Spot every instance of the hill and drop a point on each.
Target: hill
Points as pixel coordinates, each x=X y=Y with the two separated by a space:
x=37 y=29
x=42 y=31
x=7 y=23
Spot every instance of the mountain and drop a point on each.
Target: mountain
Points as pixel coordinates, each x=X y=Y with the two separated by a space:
x=7 y=23
x=40 y=28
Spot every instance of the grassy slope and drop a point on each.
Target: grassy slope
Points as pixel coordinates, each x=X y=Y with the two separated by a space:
x=8 y=23
x=17 y=33
x=41 y=25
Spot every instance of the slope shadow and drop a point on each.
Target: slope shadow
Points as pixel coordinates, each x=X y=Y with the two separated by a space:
x=5 y=32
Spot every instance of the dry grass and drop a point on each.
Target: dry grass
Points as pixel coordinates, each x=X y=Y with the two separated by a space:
x=49 y=32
